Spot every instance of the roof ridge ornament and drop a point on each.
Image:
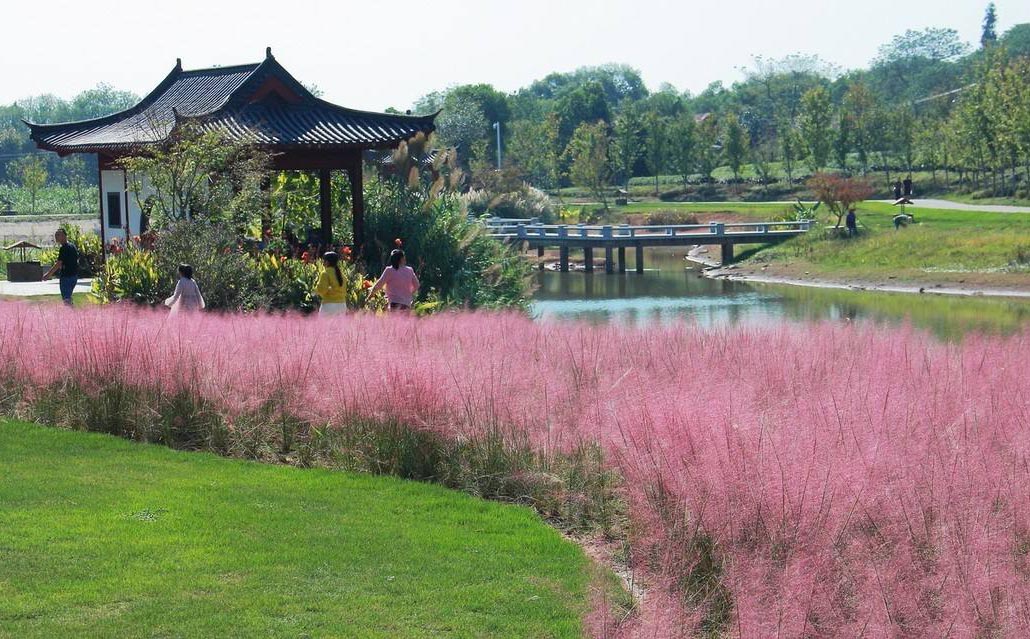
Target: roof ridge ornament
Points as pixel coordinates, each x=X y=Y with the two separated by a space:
x=268 y=53
x=178 y=64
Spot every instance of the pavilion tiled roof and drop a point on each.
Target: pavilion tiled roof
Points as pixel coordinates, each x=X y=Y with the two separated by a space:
x=254 y=103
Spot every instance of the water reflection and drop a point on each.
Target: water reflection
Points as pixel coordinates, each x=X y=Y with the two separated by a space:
x=672 y=291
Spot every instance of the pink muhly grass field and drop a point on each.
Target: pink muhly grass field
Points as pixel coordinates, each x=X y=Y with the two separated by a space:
x=847 y=480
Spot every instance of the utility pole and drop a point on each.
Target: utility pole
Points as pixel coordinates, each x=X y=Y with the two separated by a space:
x=497 y=127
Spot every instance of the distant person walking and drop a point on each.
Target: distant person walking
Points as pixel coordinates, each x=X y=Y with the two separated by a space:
x=908 y=186
x=400 y=282
x=330 y=286
x=187 y=295
x=67 y=266
x=897 y=191
x=851 y=222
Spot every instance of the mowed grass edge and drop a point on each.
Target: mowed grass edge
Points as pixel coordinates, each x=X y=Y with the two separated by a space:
x=104 y=537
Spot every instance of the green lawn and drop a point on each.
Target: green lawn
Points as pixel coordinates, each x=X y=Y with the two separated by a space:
x=943 y=246
x=101 y=537
x=78 y=299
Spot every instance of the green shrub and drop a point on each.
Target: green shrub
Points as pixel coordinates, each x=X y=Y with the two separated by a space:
x=458 y=264
x=131 y=274
x=661 y=218
x=228 y=276
x=286 y=284
x=91 y=249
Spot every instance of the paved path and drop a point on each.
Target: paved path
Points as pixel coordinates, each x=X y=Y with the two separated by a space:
x=962 y=206
x=33 y=289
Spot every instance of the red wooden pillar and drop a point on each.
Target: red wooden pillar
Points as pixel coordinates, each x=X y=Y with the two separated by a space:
x=357 y=196
x=325 y=204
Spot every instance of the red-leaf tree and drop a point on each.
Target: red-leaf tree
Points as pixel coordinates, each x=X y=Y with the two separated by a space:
x=839 y=193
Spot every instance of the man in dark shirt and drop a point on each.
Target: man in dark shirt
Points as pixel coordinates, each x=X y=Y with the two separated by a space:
x=66 y=266
x=851 y=222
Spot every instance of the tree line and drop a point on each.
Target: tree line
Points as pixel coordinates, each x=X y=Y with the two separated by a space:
x=927 y=101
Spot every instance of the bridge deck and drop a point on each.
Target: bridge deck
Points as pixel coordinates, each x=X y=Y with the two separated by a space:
x=531 y=234
x=664 y=235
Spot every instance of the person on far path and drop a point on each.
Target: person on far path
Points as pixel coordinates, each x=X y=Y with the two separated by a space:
x=187 y=295
x=851 y=222
x=330 y=286
x=67 y=265
x=908 y=186
x=400 y=281
x=897 y=191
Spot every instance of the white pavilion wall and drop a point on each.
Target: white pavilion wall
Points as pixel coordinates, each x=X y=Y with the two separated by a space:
x=114 y=192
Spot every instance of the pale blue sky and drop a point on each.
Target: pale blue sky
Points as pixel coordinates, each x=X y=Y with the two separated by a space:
x=372 y=55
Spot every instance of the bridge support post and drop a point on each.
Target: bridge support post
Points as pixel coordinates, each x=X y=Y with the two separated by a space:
x=588 y=259
x=540 y=251
x=609 y=263
x=640 y=258
x=622 y=259
x=563 y=258
x=727 y=253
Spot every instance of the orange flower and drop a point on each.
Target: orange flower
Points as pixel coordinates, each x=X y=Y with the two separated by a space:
x=398 y=243
x=346 y=250
x=366 y=284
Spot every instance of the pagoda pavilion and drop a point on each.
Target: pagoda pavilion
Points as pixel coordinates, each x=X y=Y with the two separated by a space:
x=259 y=104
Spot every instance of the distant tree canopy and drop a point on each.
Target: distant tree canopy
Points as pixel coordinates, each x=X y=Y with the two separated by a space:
x=926 y=100
x=14 y=135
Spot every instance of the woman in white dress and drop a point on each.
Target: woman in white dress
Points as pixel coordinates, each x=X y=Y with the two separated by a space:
x=187 y=295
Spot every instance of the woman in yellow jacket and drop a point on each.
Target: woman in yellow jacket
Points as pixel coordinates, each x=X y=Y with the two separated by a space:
x=331 y=287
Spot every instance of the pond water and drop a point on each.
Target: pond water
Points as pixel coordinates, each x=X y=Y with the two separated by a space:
x=672 y=289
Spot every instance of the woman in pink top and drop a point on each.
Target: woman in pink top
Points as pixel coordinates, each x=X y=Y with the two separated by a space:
x=187 y=295
x=400 y=281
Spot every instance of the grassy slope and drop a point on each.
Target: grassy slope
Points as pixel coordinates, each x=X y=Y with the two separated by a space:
x=103 y=537
x=946 y=247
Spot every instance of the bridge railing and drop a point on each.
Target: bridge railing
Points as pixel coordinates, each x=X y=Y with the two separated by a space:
x=529 y=229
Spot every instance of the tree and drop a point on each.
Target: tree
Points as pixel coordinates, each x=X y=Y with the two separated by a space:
x=32 y=174
x=200 y=175
x=842 y=140
x=931 y=43
x=492 y=104
x=859 y=105
x=589 y=165
x=814 y=123
x=75 y=168
x=988 y=34
x=839 y=193
x=656 y=145
x=735 y=143
x=533 y=146
x=463 y=125
x=931 y=147
x=708 y=148
x=683 y=143
x=1016 y=40
x=585 y=103
x=902 y=132
x=789 y=147
x=762 y=156
x=627 y=146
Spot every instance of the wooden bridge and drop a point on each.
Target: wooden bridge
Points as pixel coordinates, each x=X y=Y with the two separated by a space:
x=616 y=239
